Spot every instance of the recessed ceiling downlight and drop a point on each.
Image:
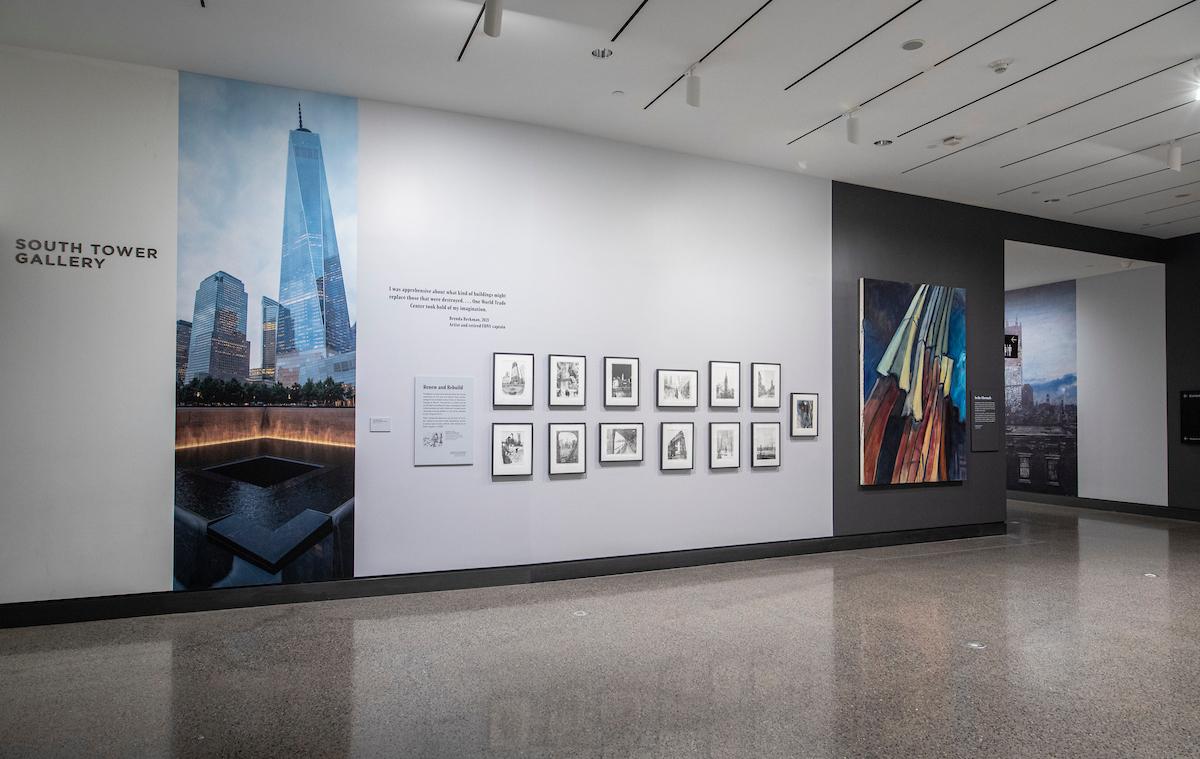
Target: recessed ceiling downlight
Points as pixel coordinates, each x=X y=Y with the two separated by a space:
x=602 y=52
x=1051 y=200
x=912 y=45
x=952 y=140
x=883 y=143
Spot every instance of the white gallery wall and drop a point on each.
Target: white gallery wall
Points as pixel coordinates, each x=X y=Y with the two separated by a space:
x=1122 y=358
x=87 y=412
x=600 y=248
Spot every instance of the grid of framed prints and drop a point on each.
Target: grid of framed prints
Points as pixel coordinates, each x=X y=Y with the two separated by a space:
x=621 y=382
x=725 y=384
x=678 y=443
x=804 y=414
x=724 y=445
x=621 y=442
x=764 y=386
x=568 y=381
x=568 y=448
x=512 y=379
x=764 y=444
x=512 y=450
x=677 y=388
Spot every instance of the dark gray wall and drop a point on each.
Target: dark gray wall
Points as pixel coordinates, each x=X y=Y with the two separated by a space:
x=888 y=235
x=1183 y=365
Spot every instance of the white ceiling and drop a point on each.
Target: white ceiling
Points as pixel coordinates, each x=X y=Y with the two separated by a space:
x=540 y=71
x=1029 y=265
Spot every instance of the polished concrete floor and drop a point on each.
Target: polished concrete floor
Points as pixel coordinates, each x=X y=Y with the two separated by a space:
x=862 y=653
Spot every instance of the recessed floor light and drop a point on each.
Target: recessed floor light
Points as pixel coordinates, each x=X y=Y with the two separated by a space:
x=883 y=143
x=618 y=92
x=913 y=45
x=977 y=645
x=602 y=52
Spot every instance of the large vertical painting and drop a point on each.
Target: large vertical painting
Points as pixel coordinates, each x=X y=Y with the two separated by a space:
x=265 y=335
x=1041 y=417
x=913 y=395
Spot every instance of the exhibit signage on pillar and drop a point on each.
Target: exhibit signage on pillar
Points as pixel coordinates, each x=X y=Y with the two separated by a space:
x=310 y=261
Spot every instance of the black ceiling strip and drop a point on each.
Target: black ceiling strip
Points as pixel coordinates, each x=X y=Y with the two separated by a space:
x=814 y=129
x=1109 y=92
x=632 y=16
x=713 y=50
x=1127 y=179
x=1097 y=163
x=956 y=152
x=1135 y=197
x=470 y=34
x=1189 y=101
x=837 y=55
x=1177 y=205
x=993 y=34
x=1173 y=221
x=939 y=63
x=1047 y=68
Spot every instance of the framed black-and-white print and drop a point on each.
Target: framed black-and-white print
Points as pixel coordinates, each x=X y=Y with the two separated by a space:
x=568 y=448
x=621 y=442
x=677 y=388
x=512 y=379
x=765 y=389
x=724 y=445
x=804 y=414
x=678 y=442
x=621 y=382
x=764 y=444
x=512 y=450
x=724 y=384
x=568 y=380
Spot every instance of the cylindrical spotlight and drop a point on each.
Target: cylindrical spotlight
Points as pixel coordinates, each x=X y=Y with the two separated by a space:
x=1175 y=156
x=693 y=90
x=852 y=128
x=493 y=10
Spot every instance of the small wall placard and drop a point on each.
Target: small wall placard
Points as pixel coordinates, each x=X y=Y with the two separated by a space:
x=985 y=425
x=444 y=422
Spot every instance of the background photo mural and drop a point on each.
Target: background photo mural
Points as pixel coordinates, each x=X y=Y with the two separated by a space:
x=1040 y=389
x=265 y=335
x=912 y=340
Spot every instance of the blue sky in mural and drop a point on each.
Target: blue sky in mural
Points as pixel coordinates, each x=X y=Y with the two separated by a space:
x=233 y=144
x=1047 y=317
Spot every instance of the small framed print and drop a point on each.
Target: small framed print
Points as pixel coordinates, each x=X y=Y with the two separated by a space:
x=512 y=379
x=620 y=382
x=621 y=442
x=804 y=414
x=764 y=444
x=724 y=384
x=724 y=445
x=568 y=448
x=677 y=388
x=764 y=386
x=568 y=381
x=512 y=450
x=678 y=441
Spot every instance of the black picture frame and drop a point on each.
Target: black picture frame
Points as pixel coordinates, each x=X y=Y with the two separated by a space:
x=635 y=381
x=658 y=399
x=530 y=383
x=550 y=380
x=737 y=447
x=641 y=451
x=528 y=458
x=712 y=386
x=816 y=415
x=754 y=426
x=662 y=447
x=778 y=385
x=552 y=444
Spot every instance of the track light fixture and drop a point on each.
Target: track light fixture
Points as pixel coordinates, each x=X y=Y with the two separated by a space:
x=493 y=11
x=1174 y=156
x=693 y=88
x=852 y=127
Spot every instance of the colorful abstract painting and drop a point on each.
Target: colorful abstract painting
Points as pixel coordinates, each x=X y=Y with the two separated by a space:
x=913 y=412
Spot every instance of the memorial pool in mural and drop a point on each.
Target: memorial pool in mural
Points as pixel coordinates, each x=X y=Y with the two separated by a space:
x=913 y=399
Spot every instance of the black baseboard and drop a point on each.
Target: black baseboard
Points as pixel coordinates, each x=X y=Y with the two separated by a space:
x=168 y=602
x=1141 y=509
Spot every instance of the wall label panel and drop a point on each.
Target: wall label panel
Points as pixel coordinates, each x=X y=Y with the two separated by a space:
x=444 y=422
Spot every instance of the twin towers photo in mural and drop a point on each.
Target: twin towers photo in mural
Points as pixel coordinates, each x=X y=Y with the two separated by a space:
x=264 y=431
x=913 y=348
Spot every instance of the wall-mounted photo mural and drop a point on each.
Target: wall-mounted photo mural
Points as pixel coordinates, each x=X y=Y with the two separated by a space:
x=265 y=335
x=913 y=399
x=1040 y=391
